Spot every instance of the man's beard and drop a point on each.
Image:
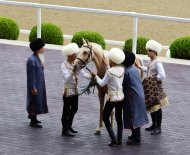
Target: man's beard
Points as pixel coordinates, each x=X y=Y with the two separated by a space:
x=41 y=57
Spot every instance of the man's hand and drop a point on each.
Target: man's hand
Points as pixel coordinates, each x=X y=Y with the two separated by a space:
x=93 y=74
x=34 y=91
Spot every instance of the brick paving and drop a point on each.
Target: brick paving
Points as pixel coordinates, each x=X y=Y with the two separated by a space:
x=18 y=138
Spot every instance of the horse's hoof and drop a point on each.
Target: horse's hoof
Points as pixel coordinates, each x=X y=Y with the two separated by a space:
x=98 y=132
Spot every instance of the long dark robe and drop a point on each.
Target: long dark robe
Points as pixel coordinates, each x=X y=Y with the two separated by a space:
x=134 y=109
x=36 y=104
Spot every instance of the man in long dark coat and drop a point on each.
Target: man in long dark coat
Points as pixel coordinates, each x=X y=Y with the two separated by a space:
x=134 y=110
x=36 y=90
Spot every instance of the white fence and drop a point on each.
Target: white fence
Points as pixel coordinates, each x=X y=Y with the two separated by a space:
x=134 y=15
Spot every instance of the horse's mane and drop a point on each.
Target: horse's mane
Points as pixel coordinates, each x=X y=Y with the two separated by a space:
x=97 y=47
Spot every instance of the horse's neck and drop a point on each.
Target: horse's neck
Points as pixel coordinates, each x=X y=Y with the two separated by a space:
x=101 y=63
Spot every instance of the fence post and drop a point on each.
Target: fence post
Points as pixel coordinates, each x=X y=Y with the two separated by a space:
x=38 y=22
x=135 y=27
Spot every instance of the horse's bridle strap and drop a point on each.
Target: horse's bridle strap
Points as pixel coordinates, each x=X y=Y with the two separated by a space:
x=84 y=61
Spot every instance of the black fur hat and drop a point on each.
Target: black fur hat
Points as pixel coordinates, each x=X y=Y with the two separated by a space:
x=129 y=59
x=36 y=44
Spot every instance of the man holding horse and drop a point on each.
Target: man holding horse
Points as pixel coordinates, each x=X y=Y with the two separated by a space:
x=70 y=91
x=114 y=79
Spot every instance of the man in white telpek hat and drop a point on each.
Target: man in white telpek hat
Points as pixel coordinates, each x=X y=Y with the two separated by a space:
x=155 y=97
x=114 y=79
x=70 y=90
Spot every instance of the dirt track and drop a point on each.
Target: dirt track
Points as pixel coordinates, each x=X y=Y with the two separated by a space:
x=110 y=26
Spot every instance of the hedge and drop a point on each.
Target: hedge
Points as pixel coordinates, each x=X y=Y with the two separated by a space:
x=89 y=36
x=50 y=33
x=8 y=29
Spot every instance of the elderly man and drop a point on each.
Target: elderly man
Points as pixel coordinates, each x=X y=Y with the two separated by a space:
x=36 y=90
x=70 y=91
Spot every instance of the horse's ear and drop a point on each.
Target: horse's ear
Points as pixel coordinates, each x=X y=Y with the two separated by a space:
x=87 y=42
x=84 y=41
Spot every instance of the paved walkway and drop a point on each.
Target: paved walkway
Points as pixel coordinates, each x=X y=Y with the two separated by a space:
x=18 y=138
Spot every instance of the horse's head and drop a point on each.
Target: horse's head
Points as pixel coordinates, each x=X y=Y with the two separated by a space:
x=85 y=55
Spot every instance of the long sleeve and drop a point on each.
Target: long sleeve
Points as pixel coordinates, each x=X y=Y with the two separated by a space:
x=144 y=69
x=102 y=82
x=161 y=73
x=84 y=74
x=66 y=75
x=31 y=74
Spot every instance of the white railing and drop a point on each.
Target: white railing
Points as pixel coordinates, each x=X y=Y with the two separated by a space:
x=134 y=15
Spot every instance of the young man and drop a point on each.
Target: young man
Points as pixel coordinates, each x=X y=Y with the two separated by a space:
x=70 y=91
x=155 y=75
x=134 y=109
x=114 y=79
x=36 y=89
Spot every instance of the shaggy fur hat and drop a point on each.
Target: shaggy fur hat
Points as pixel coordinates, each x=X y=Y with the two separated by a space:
x=129 y=59
x=153 y=45
x=36 y=44
x=70 y=49
x=116 y=55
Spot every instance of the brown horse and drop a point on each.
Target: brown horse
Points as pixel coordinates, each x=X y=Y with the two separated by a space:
x=93 y=52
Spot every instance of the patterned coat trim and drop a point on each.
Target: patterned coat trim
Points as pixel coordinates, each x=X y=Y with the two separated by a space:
x=164 y=102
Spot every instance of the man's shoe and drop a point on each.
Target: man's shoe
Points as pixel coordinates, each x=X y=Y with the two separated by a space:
x=29 y=117
x=113 y=142
x=119 y=142
x=156 y=131
x=134 y=142
x=34 y=119
x=130 y=137
x=67 y=133
x=72 y=130
x=37 y=121
x=36 y=125
x=151 y=128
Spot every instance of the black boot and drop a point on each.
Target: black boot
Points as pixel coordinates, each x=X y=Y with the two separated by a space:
x=135 y=138
x=159 y=122
x=132 y=135
x=37 y=120
x=67 y=133
x=154 y=122
x=156 y=131
x=119 y=136
x=33 y=122
x=72 y=130
x=34 y=117
x=112 y=136
x=134 y=141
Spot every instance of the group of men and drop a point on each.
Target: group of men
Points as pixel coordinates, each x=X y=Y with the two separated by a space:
x=125 y=91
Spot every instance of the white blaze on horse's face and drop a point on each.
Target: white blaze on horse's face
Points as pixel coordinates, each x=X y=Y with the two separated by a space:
x=84 y=56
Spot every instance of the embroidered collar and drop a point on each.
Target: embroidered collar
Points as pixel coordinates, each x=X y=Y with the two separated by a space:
x=152 y=63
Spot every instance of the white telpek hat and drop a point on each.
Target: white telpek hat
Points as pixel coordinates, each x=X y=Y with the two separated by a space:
x=116 y=55
x=70 y=49
x=154 y=45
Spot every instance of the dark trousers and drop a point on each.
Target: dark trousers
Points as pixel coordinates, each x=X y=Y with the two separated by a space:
x=70 y=107
x=157 y=118
x=109 y=106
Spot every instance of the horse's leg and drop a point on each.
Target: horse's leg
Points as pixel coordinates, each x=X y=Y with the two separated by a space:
x=101 y=96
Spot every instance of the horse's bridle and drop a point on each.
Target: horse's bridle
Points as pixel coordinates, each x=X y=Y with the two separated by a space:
x=84 y=62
